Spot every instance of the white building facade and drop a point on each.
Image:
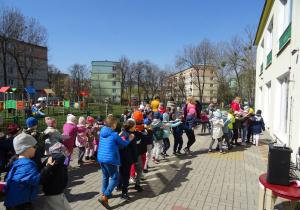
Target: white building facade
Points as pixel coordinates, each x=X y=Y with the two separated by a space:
x=278 y=71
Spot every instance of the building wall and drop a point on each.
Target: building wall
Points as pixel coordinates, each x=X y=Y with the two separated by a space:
x=104 y=84
x=277 y=86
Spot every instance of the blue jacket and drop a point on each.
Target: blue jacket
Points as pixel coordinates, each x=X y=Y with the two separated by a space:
x=192 y=121
x=226 y=123
x=108 y=151
x=257 y=126
x=178 y=131
x=172 y=125
x=22 y=183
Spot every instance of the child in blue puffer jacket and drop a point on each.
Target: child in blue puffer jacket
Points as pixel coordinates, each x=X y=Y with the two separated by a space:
x=177 y=133
x=257 y=127
x=109 y=157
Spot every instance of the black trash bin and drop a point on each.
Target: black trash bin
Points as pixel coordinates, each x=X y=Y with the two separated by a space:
x=279 y=165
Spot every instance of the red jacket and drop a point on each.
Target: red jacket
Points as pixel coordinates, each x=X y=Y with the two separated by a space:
x=235 y=106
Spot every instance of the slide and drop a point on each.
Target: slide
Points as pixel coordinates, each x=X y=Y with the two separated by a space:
x=35 y=110
x=70 y=109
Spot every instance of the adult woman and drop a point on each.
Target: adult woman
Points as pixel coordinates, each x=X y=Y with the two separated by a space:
x=235 y=104
x=190 y=104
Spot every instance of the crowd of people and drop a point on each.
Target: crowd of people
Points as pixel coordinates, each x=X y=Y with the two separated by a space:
x=124 y=157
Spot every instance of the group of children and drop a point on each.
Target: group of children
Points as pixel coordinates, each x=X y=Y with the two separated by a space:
x=123 y=157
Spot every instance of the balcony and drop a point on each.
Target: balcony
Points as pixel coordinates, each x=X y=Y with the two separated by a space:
x=285 y=37
x=269 y=58
x=261 y=68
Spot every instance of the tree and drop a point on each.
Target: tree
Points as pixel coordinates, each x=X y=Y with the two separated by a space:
x=123 y=71
x=199 y=58
x=57 y=82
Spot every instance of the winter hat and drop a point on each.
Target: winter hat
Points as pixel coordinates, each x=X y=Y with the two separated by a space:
x=81 y=121
x=59 y=148
x=23 y=142
x=246 y=109
x=90 y=120
x=179 y=115
x=131 y=119
x=147 y=121
x=50 y=121
x=251 y=111
x=12 y=128
x=1 y=119
x=161 y=110
x=138 y=116
x=31 y=121
x=99 y=118
x=71 y=118
x=258 y=112
x=142 y=107
x=192 y=111
x=218 y=113
x=224 y=114
x=161 y=104
x=156 y=115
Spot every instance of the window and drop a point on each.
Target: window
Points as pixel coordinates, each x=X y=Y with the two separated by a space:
x=31 y=83
x=211 y=79
x=284 y=89
x=114 y=83
x=11 y=70
x=267 y=103
x=269 y=42
x=32 y=61
x=113 y=68
x=211 y=92
x=114 y=90
x=31 y=50
x=284 y=20
x=262 y=56
x=212 y=71
x=10 y=58
x=10 y=82
x=211 y=85
x=114 y=97
x=114 y=75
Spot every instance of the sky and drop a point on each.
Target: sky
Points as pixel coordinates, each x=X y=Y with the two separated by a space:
x=82 y=31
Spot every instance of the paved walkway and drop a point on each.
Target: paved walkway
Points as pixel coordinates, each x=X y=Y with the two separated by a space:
x=199 y=181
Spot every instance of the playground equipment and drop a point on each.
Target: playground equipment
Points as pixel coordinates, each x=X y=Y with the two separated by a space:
x=5 y=90
x=37 y=111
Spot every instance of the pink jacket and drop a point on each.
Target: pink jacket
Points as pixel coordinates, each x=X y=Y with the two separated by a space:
x=235 y=106
x=81 y=138
x=71 y=130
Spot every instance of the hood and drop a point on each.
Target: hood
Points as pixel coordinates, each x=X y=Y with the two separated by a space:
x=81 y=121
x=59 y=159
x=106 y=131
x=165 y=117
x=29 y=131
x=156 y=122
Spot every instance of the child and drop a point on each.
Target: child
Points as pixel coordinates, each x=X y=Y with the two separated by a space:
x=236 y=126
x=89 y=150
x=177 y=133
x=249 y=130
x=109 y=157
x=167 y=133
x=128 y=155
x=71 y=129
x=210 y=116
x=123 y=117
x=23 y=179
x=56 y=182
x=98 y=126
x=257 y=126
x=55 y=137
x=157 y=136
x=170 y=113
x=141 y=143
x=192 y=121
x=81 y=140
x=230 y=125
x=4 y=146
x=161 y=108
x=148 y=113
x=217 y=133
x=149 y=139
x=40 y=137
x=204 y=125
x=225 y=130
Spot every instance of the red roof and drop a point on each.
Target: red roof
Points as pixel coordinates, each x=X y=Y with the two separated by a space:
x=83 y=93
x=6 y=90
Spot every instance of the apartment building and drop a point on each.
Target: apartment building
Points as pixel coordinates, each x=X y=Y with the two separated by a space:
x=277 y=70
x=185 y=83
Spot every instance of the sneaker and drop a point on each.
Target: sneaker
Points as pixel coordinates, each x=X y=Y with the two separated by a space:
x=143 y=177
x=104 y=201
x=244 y=144
x=87 y=157
x=125 y=197
x=222 y=152
x=156 y=161
x=174 y=153
x=138 y=188
x=117 y=188
x=185 y=150
x=145 y=170
x=80 y=162
x=209 y=151
x=132 y=180
x=92 y=158
x=179 y=153
x=153 y=158
x=163 y=155
x=167 y=155
x=189 y=152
